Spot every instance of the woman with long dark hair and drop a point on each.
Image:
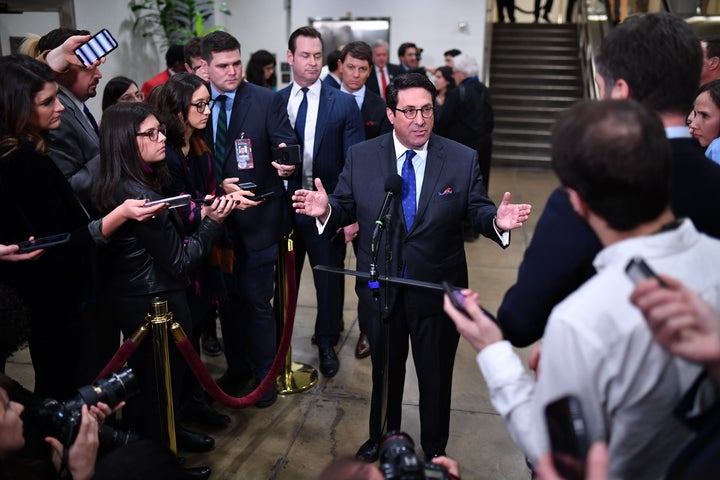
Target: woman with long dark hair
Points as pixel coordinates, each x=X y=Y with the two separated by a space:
x=155 y=258
x=184 y=107
x=57 y=287
x=260 y=69
x=121 y=89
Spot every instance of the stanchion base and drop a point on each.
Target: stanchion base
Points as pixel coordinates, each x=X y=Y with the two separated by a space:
x=300 y=378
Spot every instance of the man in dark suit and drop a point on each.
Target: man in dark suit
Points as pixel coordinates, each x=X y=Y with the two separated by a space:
x=560 y=255
x=382 y=72
x=356 y=64
x=441 y=187
x=75 y=143
x=327 y=122
x=256 y=119
x=409 y=56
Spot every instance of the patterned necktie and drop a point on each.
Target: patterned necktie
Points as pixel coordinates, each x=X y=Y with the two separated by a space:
x=90 y=118
x=220 y=138
x=384 y=82
x=407 y=193
x=300 y=118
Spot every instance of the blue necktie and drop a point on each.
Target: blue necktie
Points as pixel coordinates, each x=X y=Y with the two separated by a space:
x=90 y=118
x=220 y=138
x=407 y=193
x=300 y=118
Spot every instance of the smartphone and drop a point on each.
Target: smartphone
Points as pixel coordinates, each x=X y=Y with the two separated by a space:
x=97 y=47
x=456 y=298
x=247 y=185
x=43 y=242
x=568 y=437
x=204 y=201
x=289 y=155
x=175 y=202
x=261 y=196
x=638 y=270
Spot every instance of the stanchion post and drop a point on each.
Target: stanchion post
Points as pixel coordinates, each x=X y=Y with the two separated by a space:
x=296 y=377
x=160 y=318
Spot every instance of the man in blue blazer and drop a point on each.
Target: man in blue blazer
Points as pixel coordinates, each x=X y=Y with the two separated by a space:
x=327 y=122
x=560 y=255
x=447 y=188
x=256 y=120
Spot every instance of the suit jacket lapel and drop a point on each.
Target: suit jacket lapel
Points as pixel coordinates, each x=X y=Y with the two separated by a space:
x=433 y=166
x=240 y=108
x=79 y=117
x=327 y=100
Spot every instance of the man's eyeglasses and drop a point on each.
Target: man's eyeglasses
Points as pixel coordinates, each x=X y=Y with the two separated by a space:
x=200 y=106
x=132 y=97
x=411 y=112
x=153 y=133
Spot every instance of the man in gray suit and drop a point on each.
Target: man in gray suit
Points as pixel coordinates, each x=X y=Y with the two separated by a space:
x=75 y=144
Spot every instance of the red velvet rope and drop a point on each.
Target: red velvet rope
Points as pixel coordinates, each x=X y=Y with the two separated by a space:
x=201 y=372
x=119 y=359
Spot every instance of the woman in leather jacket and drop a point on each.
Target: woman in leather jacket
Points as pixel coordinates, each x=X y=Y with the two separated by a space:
x=150 y=259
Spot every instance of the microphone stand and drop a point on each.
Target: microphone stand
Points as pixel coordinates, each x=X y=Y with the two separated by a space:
x=385 y=315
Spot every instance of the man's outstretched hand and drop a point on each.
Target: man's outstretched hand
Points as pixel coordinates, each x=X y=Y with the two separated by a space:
x=312 y=203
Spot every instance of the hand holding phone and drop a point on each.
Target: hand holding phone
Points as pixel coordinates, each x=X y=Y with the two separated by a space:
x=290 y=155
x=456 y=298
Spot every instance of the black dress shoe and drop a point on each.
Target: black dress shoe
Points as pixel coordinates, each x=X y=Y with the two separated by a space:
x=234 y=384
x=200 y=411
x=190 y=441
x=362 y=349
x=211 y=346
x=268 y=399
x=201 y=473
x=329 y=363
x=368 y=452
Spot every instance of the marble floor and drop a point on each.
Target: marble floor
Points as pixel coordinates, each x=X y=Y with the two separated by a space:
x=301 y=433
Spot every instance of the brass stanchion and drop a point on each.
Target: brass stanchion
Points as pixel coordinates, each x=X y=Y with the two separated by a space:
x=296 y=377
x=159 y=318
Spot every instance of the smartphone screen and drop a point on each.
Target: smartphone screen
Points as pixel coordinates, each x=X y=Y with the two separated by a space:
x=97 y=47
x=568 y=437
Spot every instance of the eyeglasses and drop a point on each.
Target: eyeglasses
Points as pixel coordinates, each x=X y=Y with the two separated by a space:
x=132 y=97
x=411 y=112
x=153 y=133
x=200 y=106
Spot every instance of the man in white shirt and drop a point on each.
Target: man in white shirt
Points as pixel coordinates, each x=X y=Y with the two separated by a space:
x=597 y=345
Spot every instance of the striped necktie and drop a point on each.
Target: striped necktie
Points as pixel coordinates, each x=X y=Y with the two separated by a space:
x=220 y=138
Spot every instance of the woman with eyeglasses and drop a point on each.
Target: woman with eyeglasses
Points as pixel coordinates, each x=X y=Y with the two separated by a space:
x=183 y=105
x=57 y=286
x=121 y=89
x=151 y=259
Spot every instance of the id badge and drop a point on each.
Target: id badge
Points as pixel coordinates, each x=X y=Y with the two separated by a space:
x=244 y=154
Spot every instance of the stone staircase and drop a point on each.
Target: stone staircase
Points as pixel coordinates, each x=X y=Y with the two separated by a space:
x=534 y=73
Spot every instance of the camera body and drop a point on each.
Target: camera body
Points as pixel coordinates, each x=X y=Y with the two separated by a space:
x=62 y=420
x=398 y=459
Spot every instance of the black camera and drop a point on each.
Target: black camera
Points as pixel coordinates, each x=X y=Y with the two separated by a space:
x=62 y=420
x=398 y=459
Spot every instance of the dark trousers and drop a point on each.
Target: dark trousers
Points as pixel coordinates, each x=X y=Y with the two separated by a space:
x=142 y=412
x=247 y=318
x=434 y=341
x=546 y=9
x=508 y=5
x=329 y=287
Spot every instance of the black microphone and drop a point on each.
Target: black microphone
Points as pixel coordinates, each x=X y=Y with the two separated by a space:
x=393 y=184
